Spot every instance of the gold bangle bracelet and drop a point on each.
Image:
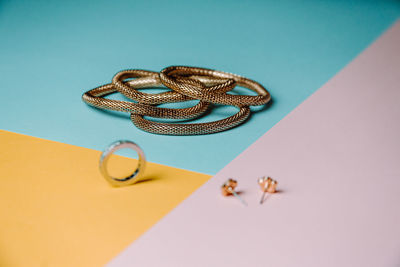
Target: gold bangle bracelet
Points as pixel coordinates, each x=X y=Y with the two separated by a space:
x=169 y=78
x=95 y=98
x=167 y=97
x=185 y=83
x=191 y=128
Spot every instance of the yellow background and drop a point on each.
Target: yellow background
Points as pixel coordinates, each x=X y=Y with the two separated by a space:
x=57 y=210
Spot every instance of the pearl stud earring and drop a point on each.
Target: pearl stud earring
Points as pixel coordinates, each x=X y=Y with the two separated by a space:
x=268 y=185
x=228 y=188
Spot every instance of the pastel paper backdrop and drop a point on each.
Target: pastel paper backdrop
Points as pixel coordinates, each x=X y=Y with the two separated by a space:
x=53 y=51
x=336 y=158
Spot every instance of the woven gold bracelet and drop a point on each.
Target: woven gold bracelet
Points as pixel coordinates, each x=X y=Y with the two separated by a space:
x=167 y=97
x=187 y=83
x=169 y=75
x=191 y=128
x=95 y=97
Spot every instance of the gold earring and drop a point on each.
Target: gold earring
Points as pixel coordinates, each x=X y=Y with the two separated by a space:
x=268 y=185
x=228 y=188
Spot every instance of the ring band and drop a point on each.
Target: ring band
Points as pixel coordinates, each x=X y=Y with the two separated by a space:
x=169 y=77
x=135 y=176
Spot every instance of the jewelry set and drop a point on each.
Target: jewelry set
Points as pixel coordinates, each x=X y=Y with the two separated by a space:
x=185 y=83
x=267 y=184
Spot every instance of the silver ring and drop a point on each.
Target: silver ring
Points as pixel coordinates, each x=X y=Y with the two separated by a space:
x=135 y=176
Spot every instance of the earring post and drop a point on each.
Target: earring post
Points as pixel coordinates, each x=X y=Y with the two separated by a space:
x=262 y=197
x=241 y=199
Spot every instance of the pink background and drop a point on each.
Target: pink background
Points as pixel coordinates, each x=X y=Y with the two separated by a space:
x=337 y=160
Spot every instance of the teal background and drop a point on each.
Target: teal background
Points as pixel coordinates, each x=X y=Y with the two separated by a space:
x=53 y=51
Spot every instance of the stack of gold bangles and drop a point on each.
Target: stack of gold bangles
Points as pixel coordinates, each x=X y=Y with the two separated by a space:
x=186 y=83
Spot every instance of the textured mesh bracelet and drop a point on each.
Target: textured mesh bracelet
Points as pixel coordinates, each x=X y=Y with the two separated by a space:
x=187 y=83
x=167 y=97
x=95 y=98
x=191 y=128
x=168 y=78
